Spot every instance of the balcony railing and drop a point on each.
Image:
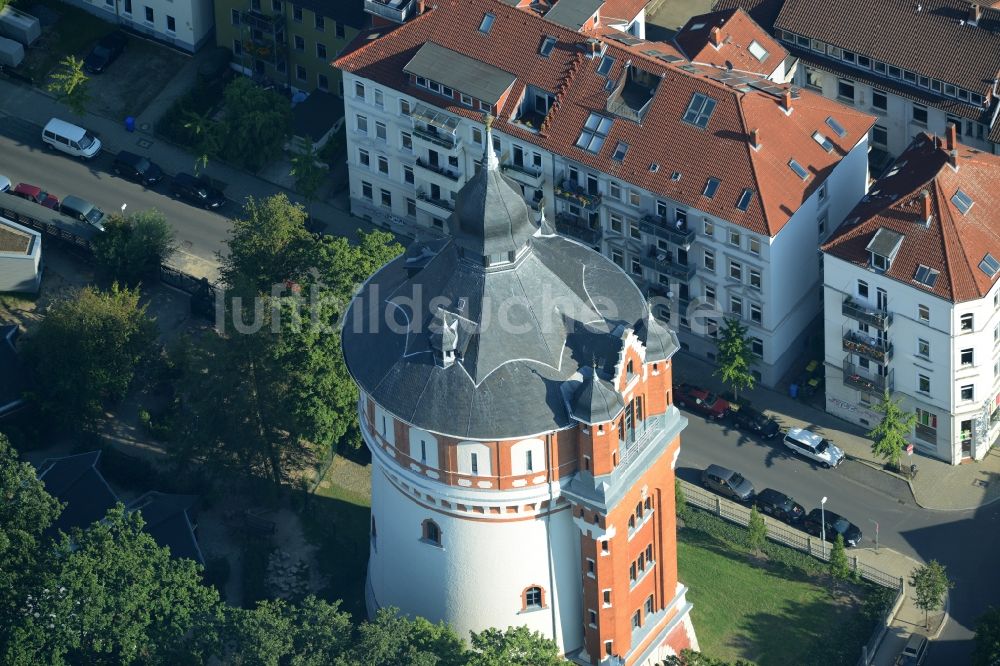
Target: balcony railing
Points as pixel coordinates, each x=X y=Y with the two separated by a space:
x=523 y=173
x=658 y=261
x=441 y=171
x=440 y=203
x=661 y=228
x=867 y=346
x=578 y=197
x=863 y=313
x=446 y=141
x=577 y=227
x=857 y=378
x=255 y=19
x=394 y=10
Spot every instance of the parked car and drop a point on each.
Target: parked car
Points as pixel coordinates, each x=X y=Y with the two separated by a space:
x=105 y=51
x=835 y=524
x=4 y=184
x=82 y=210
x=727 y=483
x=70 y=139
x=36 y=194
x=810 y=445
x=137 y=168
x=914 y=652
x=197 y=190
x=779 y=505
x=750 y=420
x=700 y=401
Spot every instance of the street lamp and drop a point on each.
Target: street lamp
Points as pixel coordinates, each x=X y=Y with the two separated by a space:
x=822 y=518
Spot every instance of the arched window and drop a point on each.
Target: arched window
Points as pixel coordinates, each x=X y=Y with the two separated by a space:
x=638 y=511
x=431 y=532
x=532 y=598
x=631 y=522
x=649 y=504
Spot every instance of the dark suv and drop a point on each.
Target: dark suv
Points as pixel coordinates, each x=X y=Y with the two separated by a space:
x=835 y=524
x=752 y=421
x=779 y=505
x=727 y=483
x=197 y=190
x=137 y=168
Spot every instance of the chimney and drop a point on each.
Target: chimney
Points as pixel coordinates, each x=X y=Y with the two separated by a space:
x=953 y=159
x=975 y=13
x=421 y=6
x=755 y=138
x=952 y=137
x=925 y=200
x=786 y=101
x=715 y=36
x=594 y=44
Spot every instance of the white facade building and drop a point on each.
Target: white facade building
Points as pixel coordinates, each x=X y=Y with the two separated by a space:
x=184 y=24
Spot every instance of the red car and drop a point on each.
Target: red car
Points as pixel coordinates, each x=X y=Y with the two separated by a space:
x=36 y=194
x=701 y=401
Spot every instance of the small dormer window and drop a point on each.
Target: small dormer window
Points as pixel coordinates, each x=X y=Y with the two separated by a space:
x=620 y=151
x=547 y=45
x=486 y=24
x=607 y=62
x=879 y=262
x=757 y=51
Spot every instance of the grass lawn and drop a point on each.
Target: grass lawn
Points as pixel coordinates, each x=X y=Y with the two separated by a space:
x=770 y=615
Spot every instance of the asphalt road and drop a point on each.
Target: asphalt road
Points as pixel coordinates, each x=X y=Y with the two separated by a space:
x=967 y=542
x=23 y=158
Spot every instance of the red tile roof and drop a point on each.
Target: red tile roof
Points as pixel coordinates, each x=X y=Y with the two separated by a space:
x=937 y=41
x=622 y=9
x=954 y=243
x=720 y=150
x=736 y=32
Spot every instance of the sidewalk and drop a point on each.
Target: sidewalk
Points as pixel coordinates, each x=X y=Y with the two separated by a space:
x=938 y=485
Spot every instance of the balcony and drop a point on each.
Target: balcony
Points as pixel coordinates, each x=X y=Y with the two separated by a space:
x=435 y=206
x=576 y=196
x=676 y=233
x=523 y=174
x=436 y=137
x=660 y=262
x=437 y=170
x=394 y=10
x=578 y=228
x=859 y=379
x=254 y=19
x=858 y=343
x=863 y=313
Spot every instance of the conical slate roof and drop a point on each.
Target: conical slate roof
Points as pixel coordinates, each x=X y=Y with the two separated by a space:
x=596 y=400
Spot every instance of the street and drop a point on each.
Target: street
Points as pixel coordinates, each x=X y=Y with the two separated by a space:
x=23 y=158
x=965 y=541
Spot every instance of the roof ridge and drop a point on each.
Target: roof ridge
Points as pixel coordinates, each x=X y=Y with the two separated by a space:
x=753 y=165
x=946 y=234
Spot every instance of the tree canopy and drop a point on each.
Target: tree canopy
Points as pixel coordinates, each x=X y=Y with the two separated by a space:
x=517 y=646
x=735 y=357
x=256 y=123
x=70 y=85
x=133 y=247
x=930 y=585
x=987 y=640
x=889 y=436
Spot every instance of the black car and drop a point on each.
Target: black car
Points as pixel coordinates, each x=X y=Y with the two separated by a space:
x=197 y=190
x=750 y=420
x=779 y=505
x=727 y=483
x=835 y=524
x=105 y=51
x=137 y=168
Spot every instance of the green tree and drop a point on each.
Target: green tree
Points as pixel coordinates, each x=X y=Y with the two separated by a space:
x=987 y=640
x=69 y=84
x=133 y=247
x=85 y=351
x=517 y=646
x=839 y=567
x=313 y=633
x=889 y=436
x=111 y=595
x=207 y=137
x=756 y=532
x=930 y=585
x=735 y=357
x=309 y=173
x=256 y=124
x=390 y=638
x=268 y=245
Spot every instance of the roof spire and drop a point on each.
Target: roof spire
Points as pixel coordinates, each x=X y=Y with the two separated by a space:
x=489 y=155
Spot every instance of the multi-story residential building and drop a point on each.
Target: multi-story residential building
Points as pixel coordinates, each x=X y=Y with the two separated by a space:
x=289 y=43
x=184 y=24
x=522 y=453
x=711 y=187
x=912 y=300
x=880 y=56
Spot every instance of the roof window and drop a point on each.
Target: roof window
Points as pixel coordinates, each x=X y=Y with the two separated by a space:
x=744 y=200
x=837 y=128
x=620 y=151
x=989 y=265
x=823 y=141
x=926 y=276
x=547 y=45
x=757 y=51
x=654 y=167
x=487 y=23
x=697 y=26
x=607 y=62
x=711 y=185
x=799 y=170
x=595 y=130
x=699 y=110
x=675 y=176
x=963 y=202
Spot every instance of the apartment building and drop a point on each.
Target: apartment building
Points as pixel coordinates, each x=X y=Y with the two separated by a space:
x=289 y=43
x=730 y=39
x=711 y=187
x=183 y=24
x=912 y=300
x=878 y=56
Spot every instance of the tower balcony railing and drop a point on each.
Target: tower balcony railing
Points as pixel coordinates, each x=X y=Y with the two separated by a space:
x=865 y=314
x=875 y=349
x=677 y=233
x=577 y=227
x=860 y=379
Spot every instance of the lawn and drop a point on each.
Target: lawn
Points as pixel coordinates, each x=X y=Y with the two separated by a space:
x=766 y=613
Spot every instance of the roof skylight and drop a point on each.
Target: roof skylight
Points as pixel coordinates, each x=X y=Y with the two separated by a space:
x=487 y=23
x=607 y=62
x=654 y=167
x=699 y=110
x=620 y=151
x=757 y=51
x=989 y=265
x=711 y=185
x=963 y=202
x=744 y=201
x=697 y=26
x=595 y=130
x=823 y=141
x=926 y=276
x=675 y=176
x=836 y=127
x=799 y=170
x=547 y=45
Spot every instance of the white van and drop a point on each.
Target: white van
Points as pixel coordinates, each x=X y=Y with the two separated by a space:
x=810 y=445
x=70 y=139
